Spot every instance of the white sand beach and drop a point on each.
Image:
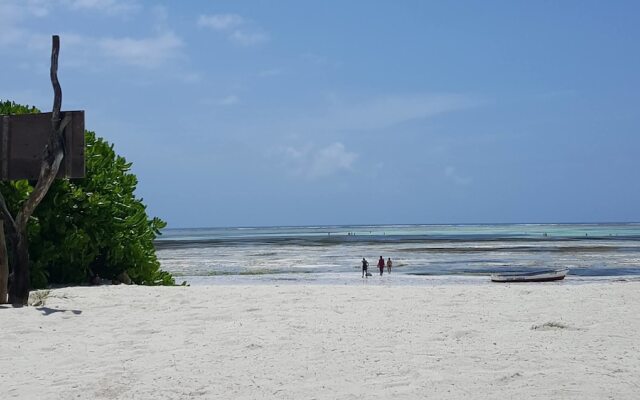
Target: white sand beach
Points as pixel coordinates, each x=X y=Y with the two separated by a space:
x=520 y=341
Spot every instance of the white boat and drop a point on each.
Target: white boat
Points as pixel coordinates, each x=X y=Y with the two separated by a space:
x=543 y=275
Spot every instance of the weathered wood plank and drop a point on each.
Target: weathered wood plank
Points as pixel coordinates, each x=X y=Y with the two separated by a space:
x=23 y=138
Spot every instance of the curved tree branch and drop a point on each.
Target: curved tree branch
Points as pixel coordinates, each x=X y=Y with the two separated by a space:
x=51 y=159
x=53 y=152
x=57 y=90
x=5 y=214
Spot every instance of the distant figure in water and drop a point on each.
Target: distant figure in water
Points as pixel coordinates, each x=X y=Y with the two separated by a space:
x=365 y=266
x=381 y=265
x=389 y=264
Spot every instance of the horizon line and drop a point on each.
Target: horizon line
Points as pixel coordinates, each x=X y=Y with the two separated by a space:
x=407 y=224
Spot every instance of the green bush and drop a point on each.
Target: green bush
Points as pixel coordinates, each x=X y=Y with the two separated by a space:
x=94 y=225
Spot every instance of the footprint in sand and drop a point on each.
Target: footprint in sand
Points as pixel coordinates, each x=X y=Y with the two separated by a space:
x=509 y=378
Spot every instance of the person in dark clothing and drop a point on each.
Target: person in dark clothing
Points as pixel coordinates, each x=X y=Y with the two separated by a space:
x=365 y=266
x=381 y=265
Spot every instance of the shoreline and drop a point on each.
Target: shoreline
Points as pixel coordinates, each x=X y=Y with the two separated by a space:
x=397 y=279
x=601 y=250
x=325 y=341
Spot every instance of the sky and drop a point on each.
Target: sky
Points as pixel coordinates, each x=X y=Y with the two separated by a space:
x=260 y=113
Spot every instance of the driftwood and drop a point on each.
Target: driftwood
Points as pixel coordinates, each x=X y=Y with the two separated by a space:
x=51 y=160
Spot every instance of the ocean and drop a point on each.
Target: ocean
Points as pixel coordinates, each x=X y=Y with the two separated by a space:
x=420 y=253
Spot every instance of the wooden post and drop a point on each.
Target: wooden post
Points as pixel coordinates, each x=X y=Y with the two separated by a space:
x=4 y=266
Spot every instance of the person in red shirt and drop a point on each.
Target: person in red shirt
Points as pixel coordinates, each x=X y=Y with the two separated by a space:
x=381 y=265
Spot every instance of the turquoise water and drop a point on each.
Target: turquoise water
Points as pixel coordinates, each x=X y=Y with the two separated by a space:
x=465 y=253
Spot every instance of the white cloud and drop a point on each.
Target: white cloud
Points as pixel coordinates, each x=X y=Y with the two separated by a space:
x=270 y=72
x=312 y=163
x=320 y=60
x=161 y=18
x=14 y=11
x=85 y=50
x=146 y=52
x=11 y=15
x=451 y=173
x=10 y=35
x=236 y=28
x=220 y=22
x=224 y=101
x=38 y=8
x=81 y=51
x=383 y=112
x=392 y=110
x=248 y=38
x=229 y=100
x=190 y=77
x=110 y=7
x=331 y=159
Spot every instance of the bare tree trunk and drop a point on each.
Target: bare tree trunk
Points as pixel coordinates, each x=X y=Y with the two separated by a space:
x=4 y=265
x=21 y=283
x=51 y=159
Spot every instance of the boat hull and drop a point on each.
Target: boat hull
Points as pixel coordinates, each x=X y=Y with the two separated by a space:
x=535 y=276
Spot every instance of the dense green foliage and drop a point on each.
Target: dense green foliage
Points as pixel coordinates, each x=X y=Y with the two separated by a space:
x=9 y=108
x=93 y=225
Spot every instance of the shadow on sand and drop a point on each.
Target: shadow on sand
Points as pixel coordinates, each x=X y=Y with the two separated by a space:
x=48 y=311
x=44 y=310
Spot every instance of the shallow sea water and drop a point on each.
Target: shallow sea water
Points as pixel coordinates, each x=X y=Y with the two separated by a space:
x=422 y=254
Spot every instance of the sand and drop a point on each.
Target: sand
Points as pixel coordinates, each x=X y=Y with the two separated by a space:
x=520 y=341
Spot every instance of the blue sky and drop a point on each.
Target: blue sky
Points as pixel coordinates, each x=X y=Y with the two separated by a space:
x=246 y=113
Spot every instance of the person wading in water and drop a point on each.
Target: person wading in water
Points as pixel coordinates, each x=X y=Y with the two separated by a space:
x=381 y=265
x=365 y=265
x=389 y=264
